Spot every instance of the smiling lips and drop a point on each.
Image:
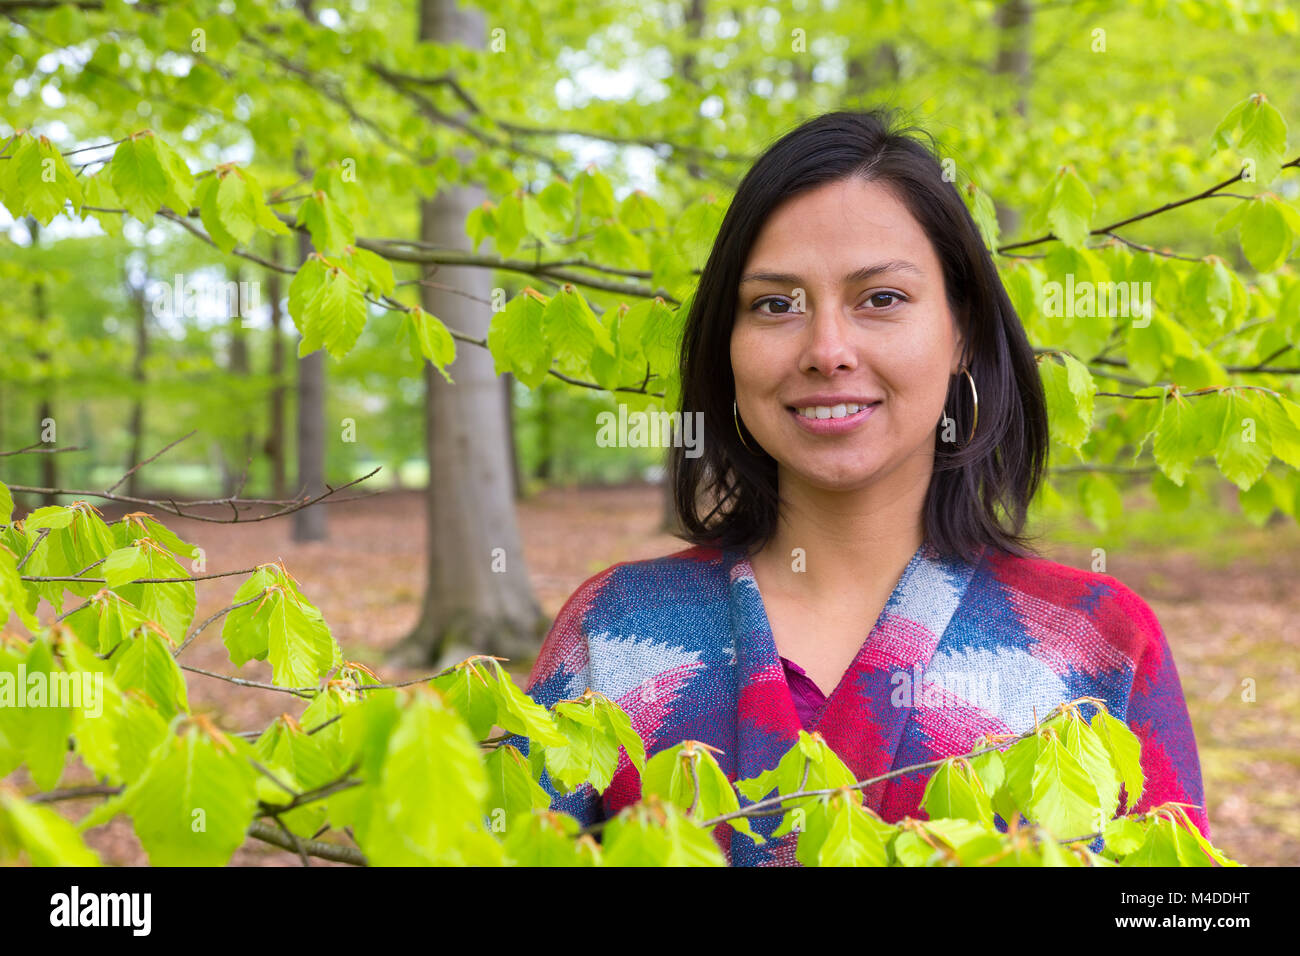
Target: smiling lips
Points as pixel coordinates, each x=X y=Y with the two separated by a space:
x=832 y=419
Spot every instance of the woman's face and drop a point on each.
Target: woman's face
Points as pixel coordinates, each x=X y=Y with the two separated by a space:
x=842 y=302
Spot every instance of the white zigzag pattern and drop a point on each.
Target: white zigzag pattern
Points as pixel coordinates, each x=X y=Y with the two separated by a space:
x=1007 y=683
x=621 y=663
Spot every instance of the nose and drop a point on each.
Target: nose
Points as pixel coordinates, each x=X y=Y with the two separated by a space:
x=828 y=343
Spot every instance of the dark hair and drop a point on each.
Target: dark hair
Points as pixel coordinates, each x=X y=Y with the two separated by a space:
x=999 y=471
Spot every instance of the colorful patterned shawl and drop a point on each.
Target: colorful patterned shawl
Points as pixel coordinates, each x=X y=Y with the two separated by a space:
x=682 y=643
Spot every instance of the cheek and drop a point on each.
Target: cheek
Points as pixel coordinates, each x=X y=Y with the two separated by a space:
x=918 y=384
x=747 y=359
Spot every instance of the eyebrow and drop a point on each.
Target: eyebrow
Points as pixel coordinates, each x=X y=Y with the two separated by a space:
x=866 y=272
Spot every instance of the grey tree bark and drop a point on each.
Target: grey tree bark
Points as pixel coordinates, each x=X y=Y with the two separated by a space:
x=478 y=597
x=135 y=425
x=274 y=446
x=310 y=524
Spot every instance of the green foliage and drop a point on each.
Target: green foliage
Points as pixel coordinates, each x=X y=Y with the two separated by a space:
x=1190 y=387
x=416 y=776
x=628 y=342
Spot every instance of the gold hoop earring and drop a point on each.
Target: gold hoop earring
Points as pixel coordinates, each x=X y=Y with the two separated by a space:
x=975 y=399
x=735 y=417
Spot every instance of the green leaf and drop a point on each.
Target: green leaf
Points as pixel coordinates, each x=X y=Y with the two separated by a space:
x=282 y=627
x=139 y=525
x=210 y=213
x=1244 y=448
x=195 y=800
x=621 y=724
x=593 y=194
x=1263 y=138
x=556 y=203
x=180 y=181
x=41 y=833
x=236 y=204
x=549 y=839
x=1209 y=290
x=591 y=752
x=331 y=229
x=1069 y=388
x=1282 y=418
x=138 y=176
x=307 y=281
x=517 y=341
x=1064 y=799
x=1266 y=236
x=852 y=839
x=473 y=694
x=1067 y=207
x=658 y=834
x=1125 y=749
x=430 y=794
x=44 y=729
x=1160 y=848
x=436 y=342
x=144 y=661
x=377 y=272
x=513 y=794
x=953 y=791
x=1123 y=835
x=38 y=180
x=336 y=315
x=126 y=565
x=510 y=229
x=14 y=595
x=1189 y=428
x=520 y=714
x=689 y=777
x=984 y=213
x=572 y=330
x=1094 y=757
x=169 y=605
x=1018 y=762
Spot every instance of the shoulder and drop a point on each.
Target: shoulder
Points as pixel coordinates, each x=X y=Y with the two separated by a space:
x=681 y=579
x=1092 y=614
x=637 y=618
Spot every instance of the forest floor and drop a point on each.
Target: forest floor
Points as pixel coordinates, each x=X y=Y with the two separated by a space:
x=1231 y=614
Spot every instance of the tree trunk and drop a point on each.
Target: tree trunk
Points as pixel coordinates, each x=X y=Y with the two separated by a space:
x=274 y=446
x=135 y=427
x=478 y=597
x=309 y=524
x=516 y=477
x=238 y=360
x=1013 y=18
x=45 y=413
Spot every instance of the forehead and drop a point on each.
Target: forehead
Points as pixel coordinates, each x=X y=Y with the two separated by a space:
x=838 y=227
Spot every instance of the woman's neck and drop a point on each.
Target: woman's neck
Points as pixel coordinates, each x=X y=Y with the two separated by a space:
x=829 y=544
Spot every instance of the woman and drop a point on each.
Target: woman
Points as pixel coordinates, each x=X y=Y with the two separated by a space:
x=874 y=430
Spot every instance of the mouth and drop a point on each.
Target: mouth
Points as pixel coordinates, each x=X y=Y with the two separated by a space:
x=831 y=419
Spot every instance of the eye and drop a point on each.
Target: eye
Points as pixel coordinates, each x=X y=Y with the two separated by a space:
x=776 y=299
x=898 y=296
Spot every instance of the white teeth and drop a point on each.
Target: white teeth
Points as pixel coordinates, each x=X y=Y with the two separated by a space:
x=830 y=411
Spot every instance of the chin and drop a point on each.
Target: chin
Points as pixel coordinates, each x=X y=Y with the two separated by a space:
x=844 y=476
